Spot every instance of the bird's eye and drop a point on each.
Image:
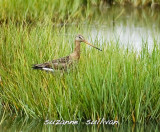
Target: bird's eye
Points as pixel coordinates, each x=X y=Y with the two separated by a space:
x=80 y=37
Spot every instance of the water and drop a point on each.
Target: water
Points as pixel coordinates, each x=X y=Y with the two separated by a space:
x=131 y=27
x=22 y=125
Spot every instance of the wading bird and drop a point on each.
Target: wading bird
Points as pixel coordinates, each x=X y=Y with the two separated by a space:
x=64 y=62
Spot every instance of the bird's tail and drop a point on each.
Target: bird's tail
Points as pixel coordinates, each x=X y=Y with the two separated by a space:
x=36 y=67
x=42 y=67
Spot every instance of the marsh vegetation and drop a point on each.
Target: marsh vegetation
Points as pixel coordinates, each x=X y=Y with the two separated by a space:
x=119 y=83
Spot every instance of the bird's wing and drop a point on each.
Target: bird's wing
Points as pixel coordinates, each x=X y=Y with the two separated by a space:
x=65 y=59
x=61 y=63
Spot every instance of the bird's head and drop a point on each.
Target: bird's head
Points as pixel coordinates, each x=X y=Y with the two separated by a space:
x=80 y=39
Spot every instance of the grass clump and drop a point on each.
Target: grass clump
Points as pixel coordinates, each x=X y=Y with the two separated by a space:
x=116 y=83
x=31 y=11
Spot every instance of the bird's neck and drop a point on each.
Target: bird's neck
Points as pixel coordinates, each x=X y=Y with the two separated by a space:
x=77 y=48
x=76 y=53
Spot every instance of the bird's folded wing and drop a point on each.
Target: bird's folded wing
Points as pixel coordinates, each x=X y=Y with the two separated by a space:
x=62 y=60
x=61 y=63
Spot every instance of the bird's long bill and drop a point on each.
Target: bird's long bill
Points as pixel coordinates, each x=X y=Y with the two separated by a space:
x=91 y=45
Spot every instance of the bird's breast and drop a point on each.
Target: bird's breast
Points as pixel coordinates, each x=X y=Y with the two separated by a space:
x=75 y=56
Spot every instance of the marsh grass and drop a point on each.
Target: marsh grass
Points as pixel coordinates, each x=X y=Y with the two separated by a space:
x=58 y=11
x=117 y=83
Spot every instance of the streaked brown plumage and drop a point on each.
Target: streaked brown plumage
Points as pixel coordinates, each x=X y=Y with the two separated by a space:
x=64 y=62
